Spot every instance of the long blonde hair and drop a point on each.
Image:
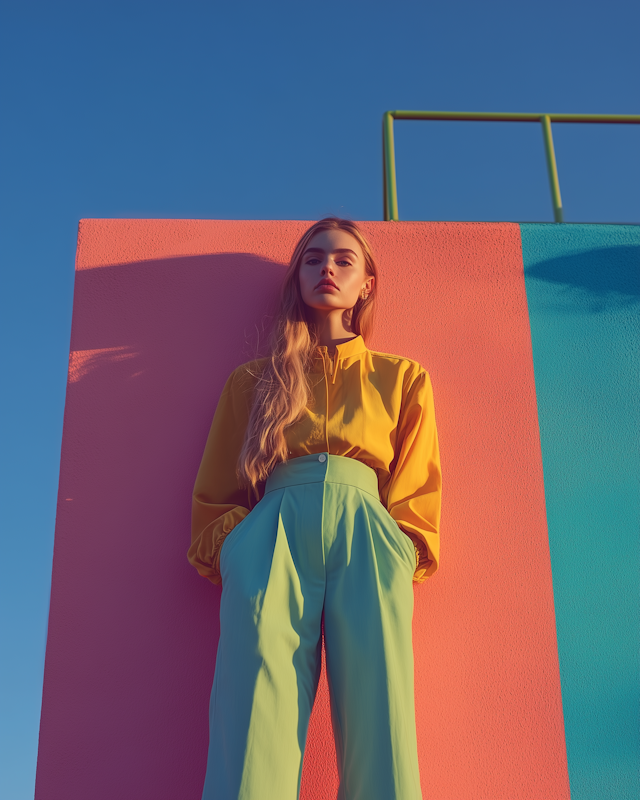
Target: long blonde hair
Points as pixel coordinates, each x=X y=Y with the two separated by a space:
x=282 y=391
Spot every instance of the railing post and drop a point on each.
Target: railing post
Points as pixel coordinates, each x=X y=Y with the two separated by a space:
x=389 y=166
x=552 y=168
x=385 y=203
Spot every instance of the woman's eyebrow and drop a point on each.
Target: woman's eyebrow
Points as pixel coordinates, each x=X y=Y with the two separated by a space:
x=339 y=250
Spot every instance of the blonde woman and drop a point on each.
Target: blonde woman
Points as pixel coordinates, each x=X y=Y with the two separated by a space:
x=340 y=444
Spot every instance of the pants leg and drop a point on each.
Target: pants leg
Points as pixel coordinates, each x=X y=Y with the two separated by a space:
x=368 y=636
x=268 y=660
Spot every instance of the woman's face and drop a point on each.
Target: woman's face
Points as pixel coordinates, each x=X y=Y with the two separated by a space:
x=332 y=272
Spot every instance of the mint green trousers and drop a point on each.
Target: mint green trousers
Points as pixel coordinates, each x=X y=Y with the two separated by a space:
x=320 y=544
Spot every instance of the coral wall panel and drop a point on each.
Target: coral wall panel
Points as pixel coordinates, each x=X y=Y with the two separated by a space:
x=163 y=311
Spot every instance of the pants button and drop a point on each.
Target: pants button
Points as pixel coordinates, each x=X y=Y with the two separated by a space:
x=322 y=457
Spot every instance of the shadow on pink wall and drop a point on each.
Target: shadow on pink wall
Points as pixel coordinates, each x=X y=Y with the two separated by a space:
x=133 y=630
x=147 y=365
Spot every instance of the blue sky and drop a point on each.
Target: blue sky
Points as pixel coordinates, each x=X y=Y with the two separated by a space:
x=268 y=111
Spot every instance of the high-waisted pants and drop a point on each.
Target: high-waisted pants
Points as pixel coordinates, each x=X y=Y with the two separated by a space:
x=319 y=543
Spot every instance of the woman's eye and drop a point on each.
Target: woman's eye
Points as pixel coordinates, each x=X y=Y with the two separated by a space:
x=313 y=261
x=343 y=263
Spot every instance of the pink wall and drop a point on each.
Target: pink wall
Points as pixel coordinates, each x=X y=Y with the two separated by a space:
x=163 y=311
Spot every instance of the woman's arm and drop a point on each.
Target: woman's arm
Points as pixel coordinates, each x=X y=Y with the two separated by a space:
x=219 y=504
x=415 y=487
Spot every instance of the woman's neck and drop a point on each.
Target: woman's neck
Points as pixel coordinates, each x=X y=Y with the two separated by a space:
x=334 y=329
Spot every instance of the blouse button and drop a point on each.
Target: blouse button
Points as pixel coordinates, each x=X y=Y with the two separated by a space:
x=322 y=458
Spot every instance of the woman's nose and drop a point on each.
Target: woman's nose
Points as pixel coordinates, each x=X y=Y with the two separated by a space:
x=327 y=267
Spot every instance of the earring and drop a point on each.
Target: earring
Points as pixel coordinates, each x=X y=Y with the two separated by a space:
x=363 y=295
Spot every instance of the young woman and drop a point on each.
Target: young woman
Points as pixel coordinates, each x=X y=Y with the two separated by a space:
x=342 y=441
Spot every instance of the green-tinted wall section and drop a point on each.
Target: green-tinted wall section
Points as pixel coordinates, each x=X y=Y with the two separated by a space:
x=583 y=292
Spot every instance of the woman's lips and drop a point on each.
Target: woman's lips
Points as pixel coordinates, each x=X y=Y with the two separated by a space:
x=323 y=287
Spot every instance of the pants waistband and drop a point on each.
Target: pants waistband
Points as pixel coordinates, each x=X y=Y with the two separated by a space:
x=323 y=467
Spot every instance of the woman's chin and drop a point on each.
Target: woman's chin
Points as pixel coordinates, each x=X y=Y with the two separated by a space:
x=327 y=303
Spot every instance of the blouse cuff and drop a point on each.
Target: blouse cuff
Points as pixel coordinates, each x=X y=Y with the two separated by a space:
x=204 y=553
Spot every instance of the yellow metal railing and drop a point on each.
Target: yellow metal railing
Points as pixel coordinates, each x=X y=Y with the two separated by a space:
x=390 y=190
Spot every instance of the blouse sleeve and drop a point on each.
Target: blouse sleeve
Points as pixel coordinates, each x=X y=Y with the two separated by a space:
x=415 y=486
x=218 y=503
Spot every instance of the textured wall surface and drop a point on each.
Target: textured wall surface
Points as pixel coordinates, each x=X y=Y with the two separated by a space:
x=583 y=287
x=163 y=311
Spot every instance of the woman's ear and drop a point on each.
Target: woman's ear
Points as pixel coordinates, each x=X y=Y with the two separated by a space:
x=367 y=286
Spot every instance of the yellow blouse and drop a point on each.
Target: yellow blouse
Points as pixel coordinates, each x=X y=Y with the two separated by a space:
x=374 y=407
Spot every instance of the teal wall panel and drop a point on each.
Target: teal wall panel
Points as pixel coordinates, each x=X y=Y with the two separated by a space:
x=583 y=291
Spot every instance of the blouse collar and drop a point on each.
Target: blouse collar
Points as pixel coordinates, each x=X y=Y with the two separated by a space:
x=353 y=347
